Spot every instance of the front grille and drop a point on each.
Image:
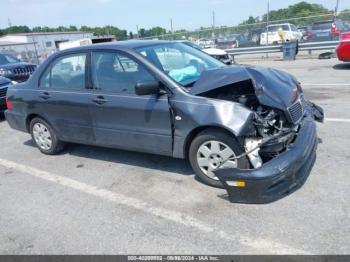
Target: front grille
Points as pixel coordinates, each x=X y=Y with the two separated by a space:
x=4 y=84
x=221 y=56
x=3 y=92
x=25 y=70
x=296 y=111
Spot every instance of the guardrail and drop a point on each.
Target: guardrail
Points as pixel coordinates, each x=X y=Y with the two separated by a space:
x=308 y=46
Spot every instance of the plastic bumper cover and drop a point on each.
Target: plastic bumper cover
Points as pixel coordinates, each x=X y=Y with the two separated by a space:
x=16 y=120
x=278 y=177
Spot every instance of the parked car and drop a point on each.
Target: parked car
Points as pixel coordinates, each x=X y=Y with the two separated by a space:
x=232 y=41
x=343 y=49
x=273 y=37
x=205 y=43
x=327 y=30
x=4 y=84
x=219 y=54
x=14 y=69
x=306 y=33
x=253 y=36
x=246 y=128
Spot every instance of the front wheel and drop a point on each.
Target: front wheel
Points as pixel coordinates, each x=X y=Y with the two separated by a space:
x=211 y=150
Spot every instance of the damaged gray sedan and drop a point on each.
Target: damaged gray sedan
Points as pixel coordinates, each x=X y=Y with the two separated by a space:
x=243 y=128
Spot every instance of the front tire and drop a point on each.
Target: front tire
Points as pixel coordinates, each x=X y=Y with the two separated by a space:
x=45 y=137
x=209 y=150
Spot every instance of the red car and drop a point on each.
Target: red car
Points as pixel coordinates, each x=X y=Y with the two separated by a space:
x=343 y=49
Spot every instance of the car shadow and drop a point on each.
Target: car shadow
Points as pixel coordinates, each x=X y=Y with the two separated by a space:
x=161 y=163
x=343 y=66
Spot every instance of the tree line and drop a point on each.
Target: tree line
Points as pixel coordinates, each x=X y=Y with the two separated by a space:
x=301 y=9
x=120 y=34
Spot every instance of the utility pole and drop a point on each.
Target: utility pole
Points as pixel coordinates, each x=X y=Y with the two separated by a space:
x=336 y=9
x=267 y=22
x=9 y=22
x=171 y=27
x=267 y=25
x=213 y=34
x=137 y=31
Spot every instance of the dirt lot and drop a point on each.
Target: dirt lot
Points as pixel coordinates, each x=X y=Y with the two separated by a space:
x=92 y=200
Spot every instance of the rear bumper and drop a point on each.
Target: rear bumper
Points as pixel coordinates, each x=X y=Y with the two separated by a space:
x=2 y=104
x=16 y=120
x=278 y=177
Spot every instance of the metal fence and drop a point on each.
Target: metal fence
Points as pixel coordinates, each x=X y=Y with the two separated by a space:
x=249 y=35
x=308 y=46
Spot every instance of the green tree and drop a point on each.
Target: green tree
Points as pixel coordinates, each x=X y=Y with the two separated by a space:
x=298 y=11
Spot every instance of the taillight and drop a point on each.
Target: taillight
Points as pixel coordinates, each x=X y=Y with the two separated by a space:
x=8 y=104
x=309 y=34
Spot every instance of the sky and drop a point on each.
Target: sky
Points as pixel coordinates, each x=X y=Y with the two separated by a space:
x=126 y=14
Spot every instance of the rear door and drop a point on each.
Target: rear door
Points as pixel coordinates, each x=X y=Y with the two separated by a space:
x=62 y=98
x=121 y=118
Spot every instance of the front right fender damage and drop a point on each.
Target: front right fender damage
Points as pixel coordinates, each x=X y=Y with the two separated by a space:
x=207 y=113
x=280 y=176
x=269 y=126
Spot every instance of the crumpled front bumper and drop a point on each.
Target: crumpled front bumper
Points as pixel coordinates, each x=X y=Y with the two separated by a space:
x=278 y=177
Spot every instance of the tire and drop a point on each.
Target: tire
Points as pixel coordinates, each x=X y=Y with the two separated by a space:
x=45 y=137
x=210 y=139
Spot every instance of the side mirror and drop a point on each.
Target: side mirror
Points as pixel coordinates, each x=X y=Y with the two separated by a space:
x=143 y=88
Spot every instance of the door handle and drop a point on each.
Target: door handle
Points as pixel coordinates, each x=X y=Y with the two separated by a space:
x=100 y=100
x=45 y=95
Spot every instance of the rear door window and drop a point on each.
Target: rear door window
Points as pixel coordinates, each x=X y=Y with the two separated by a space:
x=294 y=28
x=67 y=72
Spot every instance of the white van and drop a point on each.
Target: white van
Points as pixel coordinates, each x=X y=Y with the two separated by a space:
x=76 y=43
x=290 y=30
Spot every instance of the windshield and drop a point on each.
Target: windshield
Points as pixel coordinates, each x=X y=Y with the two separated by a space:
x=322 y=26
x=7 y=59
x=182 y=63
x=275 y=28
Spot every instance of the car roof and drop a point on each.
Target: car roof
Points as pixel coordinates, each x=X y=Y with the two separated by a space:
x=128 y=44
x=323 y=22
x=280 y=24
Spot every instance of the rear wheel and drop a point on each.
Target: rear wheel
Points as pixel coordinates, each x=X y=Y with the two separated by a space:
x=211 y=150
x=44 y=137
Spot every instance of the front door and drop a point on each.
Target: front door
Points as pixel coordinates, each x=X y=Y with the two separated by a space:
x=121 y=118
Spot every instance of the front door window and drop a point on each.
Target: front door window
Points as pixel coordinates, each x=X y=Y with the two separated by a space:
x=113 y=72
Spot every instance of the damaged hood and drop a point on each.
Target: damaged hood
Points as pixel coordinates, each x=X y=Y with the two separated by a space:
x=273 y=88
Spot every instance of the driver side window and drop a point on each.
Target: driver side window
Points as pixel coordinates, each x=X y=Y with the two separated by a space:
x=117 y=73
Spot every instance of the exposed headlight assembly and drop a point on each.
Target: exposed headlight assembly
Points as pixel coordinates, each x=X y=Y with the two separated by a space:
x=5 y=71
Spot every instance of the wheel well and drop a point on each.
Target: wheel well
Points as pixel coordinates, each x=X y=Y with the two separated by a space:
x=29 y=119
x=198 y=130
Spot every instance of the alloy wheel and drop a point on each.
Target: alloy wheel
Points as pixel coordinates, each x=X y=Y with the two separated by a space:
x=212 y=155
x=42 y=136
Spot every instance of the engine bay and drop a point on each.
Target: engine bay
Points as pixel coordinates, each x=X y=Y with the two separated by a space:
x=271 y=131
